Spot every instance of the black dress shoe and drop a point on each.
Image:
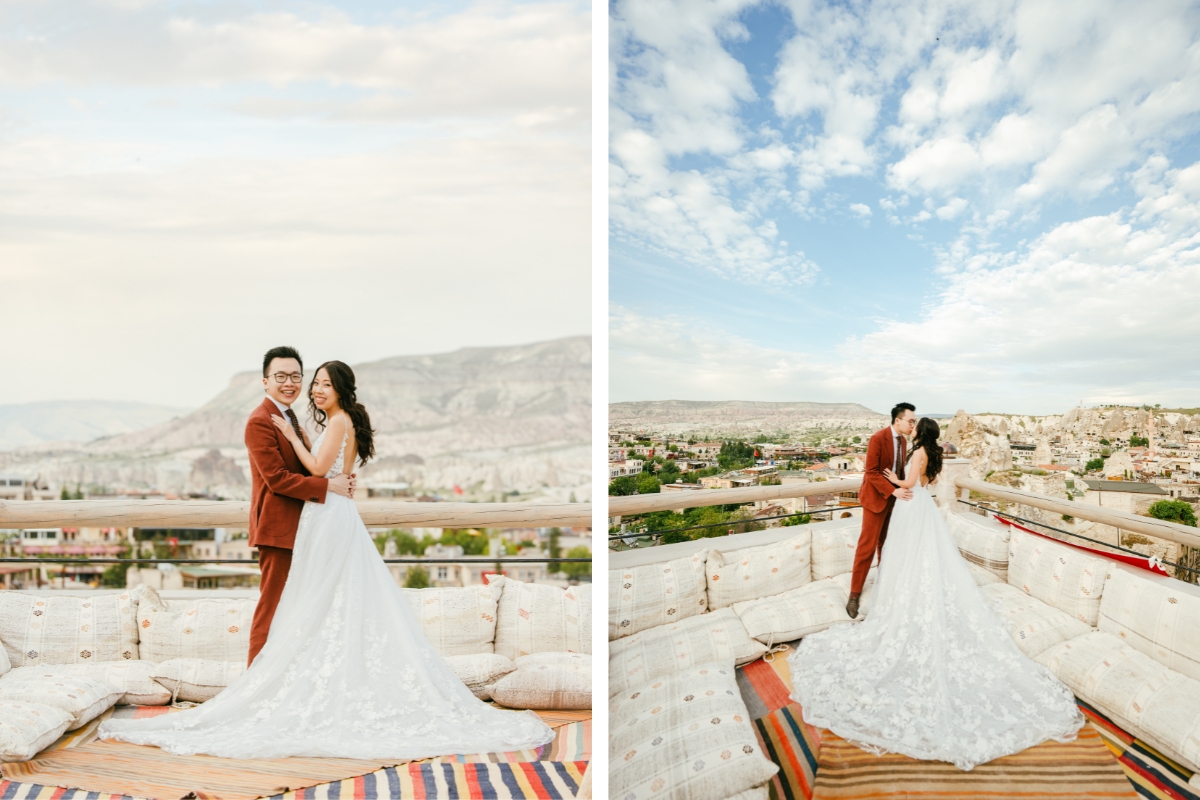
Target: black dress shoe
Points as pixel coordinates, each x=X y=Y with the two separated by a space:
x=852 y=608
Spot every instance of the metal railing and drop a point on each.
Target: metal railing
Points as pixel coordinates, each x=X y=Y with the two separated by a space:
x=656 y=535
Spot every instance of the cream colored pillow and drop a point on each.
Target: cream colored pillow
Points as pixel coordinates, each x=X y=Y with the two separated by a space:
x=982 y=541
x=535 y=618
x=457 y=621
x=27 y=729
x=984 y=577
x=1033 y=625
x=716 y=636
x=197 y=680
x=480 y=670
x=208 y=629
x=833 y=548
x=753 y=572
x=791 y=615
x=131 y=677
x=547 y=681
x=1066 y=578
x=1157 y=617
x=82 y=697
x=656 y=594
x=684 y=735
x=1143 y=697
x=41 y=629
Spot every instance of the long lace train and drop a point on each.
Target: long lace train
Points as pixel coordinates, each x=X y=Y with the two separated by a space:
x=346 y=671
x=931 y=673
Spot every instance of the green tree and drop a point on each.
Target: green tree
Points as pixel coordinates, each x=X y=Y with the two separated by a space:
x=578 y=569
x=1095 y=464
x=857 y=440
x=799 y=519
x=647 y=484
x=1138 y=441
x=473 y=542
x=1173 y=511
x=556 y=551
x=1106 y=442
x=735 y=455
x=622 y=486
x=417 y=578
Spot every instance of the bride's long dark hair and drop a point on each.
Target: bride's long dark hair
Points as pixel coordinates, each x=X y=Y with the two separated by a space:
x=926 y=436
x=342 y=378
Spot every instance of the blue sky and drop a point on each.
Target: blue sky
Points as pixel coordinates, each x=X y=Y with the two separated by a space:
x=981 y=205
x=185 y=183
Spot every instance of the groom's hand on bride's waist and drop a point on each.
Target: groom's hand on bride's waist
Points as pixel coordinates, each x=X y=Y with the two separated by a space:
x=902 y=494
x=343 y=485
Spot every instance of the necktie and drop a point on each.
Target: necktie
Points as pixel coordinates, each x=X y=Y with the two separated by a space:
x=291 y=415
x=900 y=457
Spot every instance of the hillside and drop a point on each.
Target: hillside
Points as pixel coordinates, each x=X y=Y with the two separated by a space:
x=703 y=418
x=65 y=421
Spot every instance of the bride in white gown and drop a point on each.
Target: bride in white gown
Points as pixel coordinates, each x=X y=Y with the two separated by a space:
x=346 y=671
x=932 y=672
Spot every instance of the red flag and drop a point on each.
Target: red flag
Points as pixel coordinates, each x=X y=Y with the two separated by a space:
x=457 y=489
x=756 y=453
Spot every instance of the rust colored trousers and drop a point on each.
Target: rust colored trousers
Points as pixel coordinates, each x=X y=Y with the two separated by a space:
x=275 y=563
x=870 y=542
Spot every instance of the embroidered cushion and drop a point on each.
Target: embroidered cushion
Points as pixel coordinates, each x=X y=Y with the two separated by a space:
x=753 y=572
x=27 y=729
x=479 y=670
x=833 y=547
x=982 y=541
x=1154 y=615
x=547 y=681
x=40 y=629
x=655 y=594
x=83 y=698
x=457 y=621
x=716 y=636
x=131 y=677
x=1143 y=697
x=209 y=629
x=196 y=680
x=983 y=577
x=1033 y=625
x=791 y=615
x=534 y=618
x=684 y=735
x=1066 y=578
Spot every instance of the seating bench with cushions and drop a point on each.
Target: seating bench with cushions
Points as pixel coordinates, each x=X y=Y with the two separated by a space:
x=64 y=660
x=1066 y=608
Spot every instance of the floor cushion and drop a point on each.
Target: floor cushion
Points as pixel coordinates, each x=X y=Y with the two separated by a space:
x=735 y=576
x=983 y=577
x=1156 y=616
x=982 y=541
x=716 y=636
x=27 y=729
x=211 y=629
x=457 y=620
x=1143 y=697
x=56 y=629
x=833 y=548
x=536 y=618
x=684 y=735
x=1033 y=625
x=133 y=678
x=479 y=670
x=196 y=680
x=82 y=697
x=547 y=681
x=656 y=594
x=791 y=615
x=1068 y=579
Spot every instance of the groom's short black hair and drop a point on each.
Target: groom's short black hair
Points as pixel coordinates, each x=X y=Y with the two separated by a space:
x=897 y=409
x=280 y=352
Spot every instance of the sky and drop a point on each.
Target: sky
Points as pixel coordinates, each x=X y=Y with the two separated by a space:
x=186 y=183
x=992 y=206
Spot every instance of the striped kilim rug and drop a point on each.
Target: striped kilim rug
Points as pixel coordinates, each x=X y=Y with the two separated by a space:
x=796 y=746
x=79 y=761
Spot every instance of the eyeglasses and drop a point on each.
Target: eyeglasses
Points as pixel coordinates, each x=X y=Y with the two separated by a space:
x=283 y=377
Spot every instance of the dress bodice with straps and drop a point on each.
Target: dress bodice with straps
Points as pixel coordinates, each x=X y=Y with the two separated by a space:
x=338 y=462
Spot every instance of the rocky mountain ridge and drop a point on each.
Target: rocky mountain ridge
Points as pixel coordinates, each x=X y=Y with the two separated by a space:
x=729 y=418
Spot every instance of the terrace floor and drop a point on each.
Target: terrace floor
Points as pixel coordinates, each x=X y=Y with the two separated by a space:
x=1103 y=762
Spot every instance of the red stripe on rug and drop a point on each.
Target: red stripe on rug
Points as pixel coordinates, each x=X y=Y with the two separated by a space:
x=767 y=684
x=535 y=780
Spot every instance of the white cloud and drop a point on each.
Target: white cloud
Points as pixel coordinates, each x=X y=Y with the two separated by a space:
x=952 y=209
x=861 y=209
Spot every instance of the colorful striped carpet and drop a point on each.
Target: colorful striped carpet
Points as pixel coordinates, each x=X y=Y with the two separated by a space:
x=797 y=748
x=102 y=770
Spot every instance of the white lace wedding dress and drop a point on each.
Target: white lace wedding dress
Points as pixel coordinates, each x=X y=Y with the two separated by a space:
x=346 y=671
x=931 y=672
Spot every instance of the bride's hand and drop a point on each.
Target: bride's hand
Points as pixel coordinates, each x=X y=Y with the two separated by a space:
x=891 y=476
x=285 y=428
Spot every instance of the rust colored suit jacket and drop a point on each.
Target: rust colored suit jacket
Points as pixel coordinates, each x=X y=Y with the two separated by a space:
x=279 y=483
x=876 y=490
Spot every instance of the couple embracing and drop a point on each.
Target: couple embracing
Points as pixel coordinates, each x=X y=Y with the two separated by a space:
x=339 y=666
x=932 y=672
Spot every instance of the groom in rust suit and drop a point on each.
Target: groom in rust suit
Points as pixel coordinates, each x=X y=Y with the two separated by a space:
x=279 y=485
x=887 y=449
